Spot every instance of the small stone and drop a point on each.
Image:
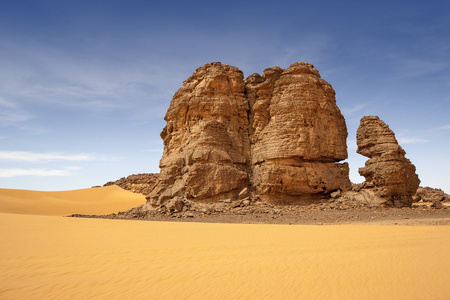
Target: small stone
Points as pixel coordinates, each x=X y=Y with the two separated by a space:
x=437 y=205
x=243 y=193
x=335 y=194
x=235 y=204
x=174 y=205
x=188 y=215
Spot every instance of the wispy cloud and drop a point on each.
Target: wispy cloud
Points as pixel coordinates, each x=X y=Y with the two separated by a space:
x=415 y=67
x=12 y=117
x=154 y=150
x=6 y=103
x=52 y=76
x=313 y=48
x=25 y=156
x=8 y=173
x=411 y=140
x=11 y=113
x=438 y=131
x=353 y=109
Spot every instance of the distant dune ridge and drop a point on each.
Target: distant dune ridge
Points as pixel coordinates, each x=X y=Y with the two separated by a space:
x=102 y=200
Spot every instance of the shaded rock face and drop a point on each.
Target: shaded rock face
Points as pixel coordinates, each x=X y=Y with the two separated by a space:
x=280 y=135
x=428 y=194
x=136 y=183
x=387 y=173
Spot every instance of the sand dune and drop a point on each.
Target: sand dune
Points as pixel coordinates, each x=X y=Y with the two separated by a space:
x=45 y=257
x=52 y=257
x=102 y=200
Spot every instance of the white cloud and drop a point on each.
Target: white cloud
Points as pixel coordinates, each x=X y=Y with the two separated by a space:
x=13 y=117
x=6 y=103
x=7 y=173
x=154 y=150
x=439 y=131
x=25 y=156
x=353 y=109
x=415 y=67
x=11 y=113
x=312 y=48
x=51 y=76
x=411 y=140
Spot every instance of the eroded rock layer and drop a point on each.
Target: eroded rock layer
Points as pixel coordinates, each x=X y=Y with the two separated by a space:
x=206 y=146
x=388 y=173
x=280 y=135
x=297 y=134
x=136 y=183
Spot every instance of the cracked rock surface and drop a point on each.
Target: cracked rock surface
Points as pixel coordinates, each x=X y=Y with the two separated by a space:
x=279 y=135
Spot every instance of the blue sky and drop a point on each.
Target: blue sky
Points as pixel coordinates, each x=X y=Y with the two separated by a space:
x=84 y=85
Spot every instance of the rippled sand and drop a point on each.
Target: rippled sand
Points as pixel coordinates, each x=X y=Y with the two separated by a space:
x=52 y=257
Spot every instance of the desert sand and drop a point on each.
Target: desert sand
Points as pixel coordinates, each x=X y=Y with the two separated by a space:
x=46 y=256
x=100 y=200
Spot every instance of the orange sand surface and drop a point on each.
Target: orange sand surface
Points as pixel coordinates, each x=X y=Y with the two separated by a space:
x=47 y=257
x=102 y=200
x=53 y=257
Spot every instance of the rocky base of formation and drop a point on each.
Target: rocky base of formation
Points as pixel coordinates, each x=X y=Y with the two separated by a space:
x=342 y=208
x=431 y=197
x=358 y=196
x=355 y=205
x=136 y=183
x=368 y=197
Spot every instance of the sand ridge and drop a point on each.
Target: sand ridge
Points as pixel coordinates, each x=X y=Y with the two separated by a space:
x=100 y=200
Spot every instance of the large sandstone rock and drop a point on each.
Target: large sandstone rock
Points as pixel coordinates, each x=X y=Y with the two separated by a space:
x=297 y=135
x=206 y=146
x=388 y=173
x=428 y=194
x=279 y=135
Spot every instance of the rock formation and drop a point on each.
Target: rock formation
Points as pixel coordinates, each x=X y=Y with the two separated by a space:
x=297 y=135
x=279 y=135
x=206 y=145
x=428 y=194
x=388 y=174
x=431 y=197
x=136 y=183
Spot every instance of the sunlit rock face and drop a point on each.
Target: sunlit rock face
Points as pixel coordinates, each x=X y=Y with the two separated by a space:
x=206 y=144
x=388 y=173
x=297 y=135
x=281 y=135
